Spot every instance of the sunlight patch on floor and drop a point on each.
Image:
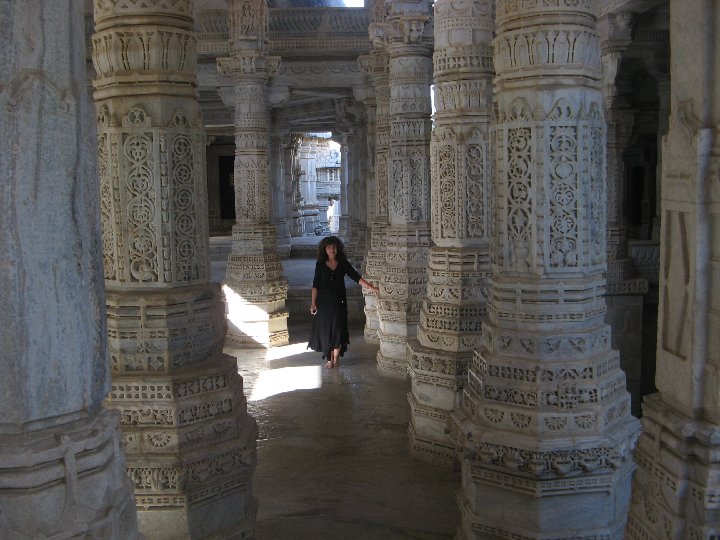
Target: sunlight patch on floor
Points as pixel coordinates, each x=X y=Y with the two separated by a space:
x=278 y=381
x=279 y=353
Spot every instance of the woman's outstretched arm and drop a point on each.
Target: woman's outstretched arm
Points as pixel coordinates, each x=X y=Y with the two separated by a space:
x=368 y=285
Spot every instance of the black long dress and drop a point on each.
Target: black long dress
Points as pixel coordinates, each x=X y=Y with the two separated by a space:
x=330 y=323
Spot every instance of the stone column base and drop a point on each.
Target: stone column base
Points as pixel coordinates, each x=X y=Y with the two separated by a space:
x=391 y=358
x=67 y=481
x=425 y=440
x=491 y=496
x=259 y=334
x=200 y=521
x=437 y=378
x=676 y=486
x=255 y=290
x=372 y=323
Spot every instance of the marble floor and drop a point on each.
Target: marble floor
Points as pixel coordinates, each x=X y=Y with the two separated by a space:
x=332 y=456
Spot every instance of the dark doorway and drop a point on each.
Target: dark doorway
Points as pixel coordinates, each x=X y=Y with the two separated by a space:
x=226 y=167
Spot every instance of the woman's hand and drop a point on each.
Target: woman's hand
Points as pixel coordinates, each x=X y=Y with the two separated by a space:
x=365 y=283
x=313 y=309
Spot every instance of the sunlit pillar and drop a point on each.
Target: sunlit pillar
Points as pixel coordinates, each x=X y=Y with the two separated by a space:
x=189 y=441
x=407 y=238
x=255 y=288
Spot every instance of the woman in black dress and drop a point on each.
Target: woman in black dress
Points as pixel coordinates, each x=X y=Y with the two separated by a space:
x=329 y=334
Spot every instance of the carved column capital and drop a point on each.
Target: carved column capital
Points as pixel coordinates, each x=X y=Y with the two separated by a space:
x=379 y=33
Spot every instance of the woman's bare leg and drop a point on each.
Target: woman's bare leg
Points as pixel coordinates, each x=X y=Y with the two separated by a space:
x=336 y=357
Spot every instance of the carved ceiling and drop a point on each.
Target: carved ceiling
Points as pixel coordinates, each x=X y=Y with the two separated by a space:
x=318 y=49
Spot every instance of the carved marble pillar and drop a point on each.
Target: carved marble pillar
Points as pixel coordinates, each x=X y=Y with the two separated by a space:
x=677 y=483
x=360 y=190
x=62 y=470
x=625 y=289
x=376 y=65
x=255 y=288
x=403 y=279
x=357 y=142
x=547 y=431
x=189 y=441
x=461 y=175
x=293 y=198
x=663 y=125
x=344 y=206
x=277 y=173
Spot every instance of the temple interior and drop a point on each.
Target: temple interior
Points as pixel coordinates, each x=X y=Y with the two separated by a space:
x=533 y=186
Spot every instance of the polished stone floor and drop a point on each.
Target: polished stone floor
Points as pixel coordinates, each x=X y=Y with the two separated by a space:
x=332 y=457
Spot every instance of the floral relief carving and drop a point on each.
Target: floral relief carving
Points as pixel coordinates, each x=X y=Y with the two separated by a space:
x=142 y=198
x=183 y=168
x=107 y=212
x=563 y=146
x=446 y=176
x=519 y=196
x=476 y=191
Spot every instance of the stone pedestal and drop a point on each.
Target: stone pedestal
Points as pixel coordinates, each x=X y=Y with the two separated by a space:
x=62 y=470
x=255 y=290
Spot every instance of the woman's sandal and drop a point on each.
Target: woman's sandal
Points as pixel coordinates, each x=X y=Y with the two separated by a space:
x=329 y=364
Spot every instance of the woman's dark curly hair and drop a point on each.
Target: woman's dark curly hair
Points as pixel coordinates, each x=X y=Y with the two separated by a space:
x=327 y=241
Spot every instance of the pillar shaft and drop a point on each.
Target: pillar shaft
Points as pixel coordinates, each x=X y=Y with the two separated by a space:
x=376 y=65
x=551 y=430
x=403 y=279
x=255 y=288
x=62 y=470
x=190 y=443
x=277 y=169
x=676 y=483
x=461 y=175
